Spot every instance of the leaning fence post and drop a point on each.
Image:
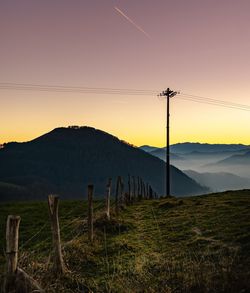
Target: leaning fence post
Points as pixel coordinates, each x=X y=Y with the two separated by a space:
x=108 y=198
x=58 y=263
x=90 y=213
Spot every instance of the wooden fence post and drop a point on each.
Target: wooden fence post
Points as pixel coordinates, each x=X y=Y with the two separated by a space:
x=141 y=184
x=129 y=189
x=108 y=198
x=12 y=235
x=150 y=192
x=144 y=190
x=134 y=189
x=117 y=195
x=16 y=279
x=122 y=193
x=58 y=263
x=90 y=213
x=138 y=188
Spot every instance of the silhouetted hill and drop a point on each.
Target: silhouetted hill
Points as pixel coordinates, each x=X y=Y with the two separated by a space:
x=65 y=160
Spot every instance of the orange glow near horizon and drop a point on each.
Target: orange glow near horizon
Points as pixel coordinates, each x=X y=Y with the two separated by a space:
x=139 y=121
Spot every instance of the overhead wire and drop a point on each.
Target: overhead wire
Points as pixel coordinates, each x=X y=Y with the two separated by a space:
x=118 y=91
x=80 y=89
x=215 y=100
x=211 y=103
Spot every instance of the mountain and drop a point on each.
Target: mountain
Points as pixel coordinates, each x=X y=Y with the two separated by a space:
x=238 y=164
x=220 y=181
x=189 y=147
x=209 y=157
x=239 y=159
x=148 y=148
x=161 y=154
x=65 y=160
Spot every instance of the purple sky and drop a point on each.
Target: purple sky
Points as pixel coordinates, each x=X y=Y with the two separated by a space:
x=199 y=47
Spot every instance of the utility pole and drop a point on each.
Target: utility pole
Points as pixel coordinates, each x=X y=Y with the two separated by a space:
x=169 y=94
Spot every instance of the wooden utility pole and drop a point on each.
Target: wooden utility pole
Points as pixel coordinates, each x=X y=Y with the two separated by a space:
x=57 y=249
x=169 y=94
x=90 y=213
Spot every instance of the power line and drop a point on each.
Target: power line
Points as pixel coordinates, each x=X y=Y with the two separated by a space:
x=216 y=100
x=229 y=106
x=118 y=91
x=60 y=88
x=72 y=87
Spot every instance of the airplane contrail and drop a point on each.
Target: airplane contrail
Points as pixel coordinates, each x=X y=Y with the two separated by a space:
x=132 y=22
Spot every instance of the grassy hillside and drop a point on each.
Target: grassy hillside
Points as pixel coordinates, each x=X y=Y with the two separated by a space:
x=195 y=244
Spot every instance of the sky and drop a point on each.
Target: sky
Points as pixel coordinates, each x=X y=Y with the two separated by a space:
x=197 y=47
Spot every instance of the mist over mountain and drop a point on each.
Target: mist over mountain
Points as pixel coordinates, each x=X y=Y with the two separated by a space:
x=161 y=154
x=219 y=181
x=238 y=159
x=65 y=160
x=195 y=150
x=218 y=166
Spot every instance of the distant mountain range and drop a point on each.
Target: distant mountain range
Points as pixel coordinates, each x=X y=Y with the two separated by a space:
x=148 y=148
x=219 y=181
x=65 y=160
x=161 y=154
x=188 y=147
x=210 y=164
x=239 y=159
x=199 y=148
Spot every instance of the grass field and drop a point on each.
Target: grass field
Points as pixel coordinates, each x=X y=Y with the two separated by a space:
x=195 y=244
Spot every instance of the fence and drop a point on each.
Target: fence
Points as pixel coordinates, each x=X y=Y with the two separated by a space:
x=17 y=280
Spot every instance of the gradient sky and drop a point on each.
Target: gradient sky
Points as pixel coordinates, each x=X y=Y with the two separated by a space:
x=200 y=47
